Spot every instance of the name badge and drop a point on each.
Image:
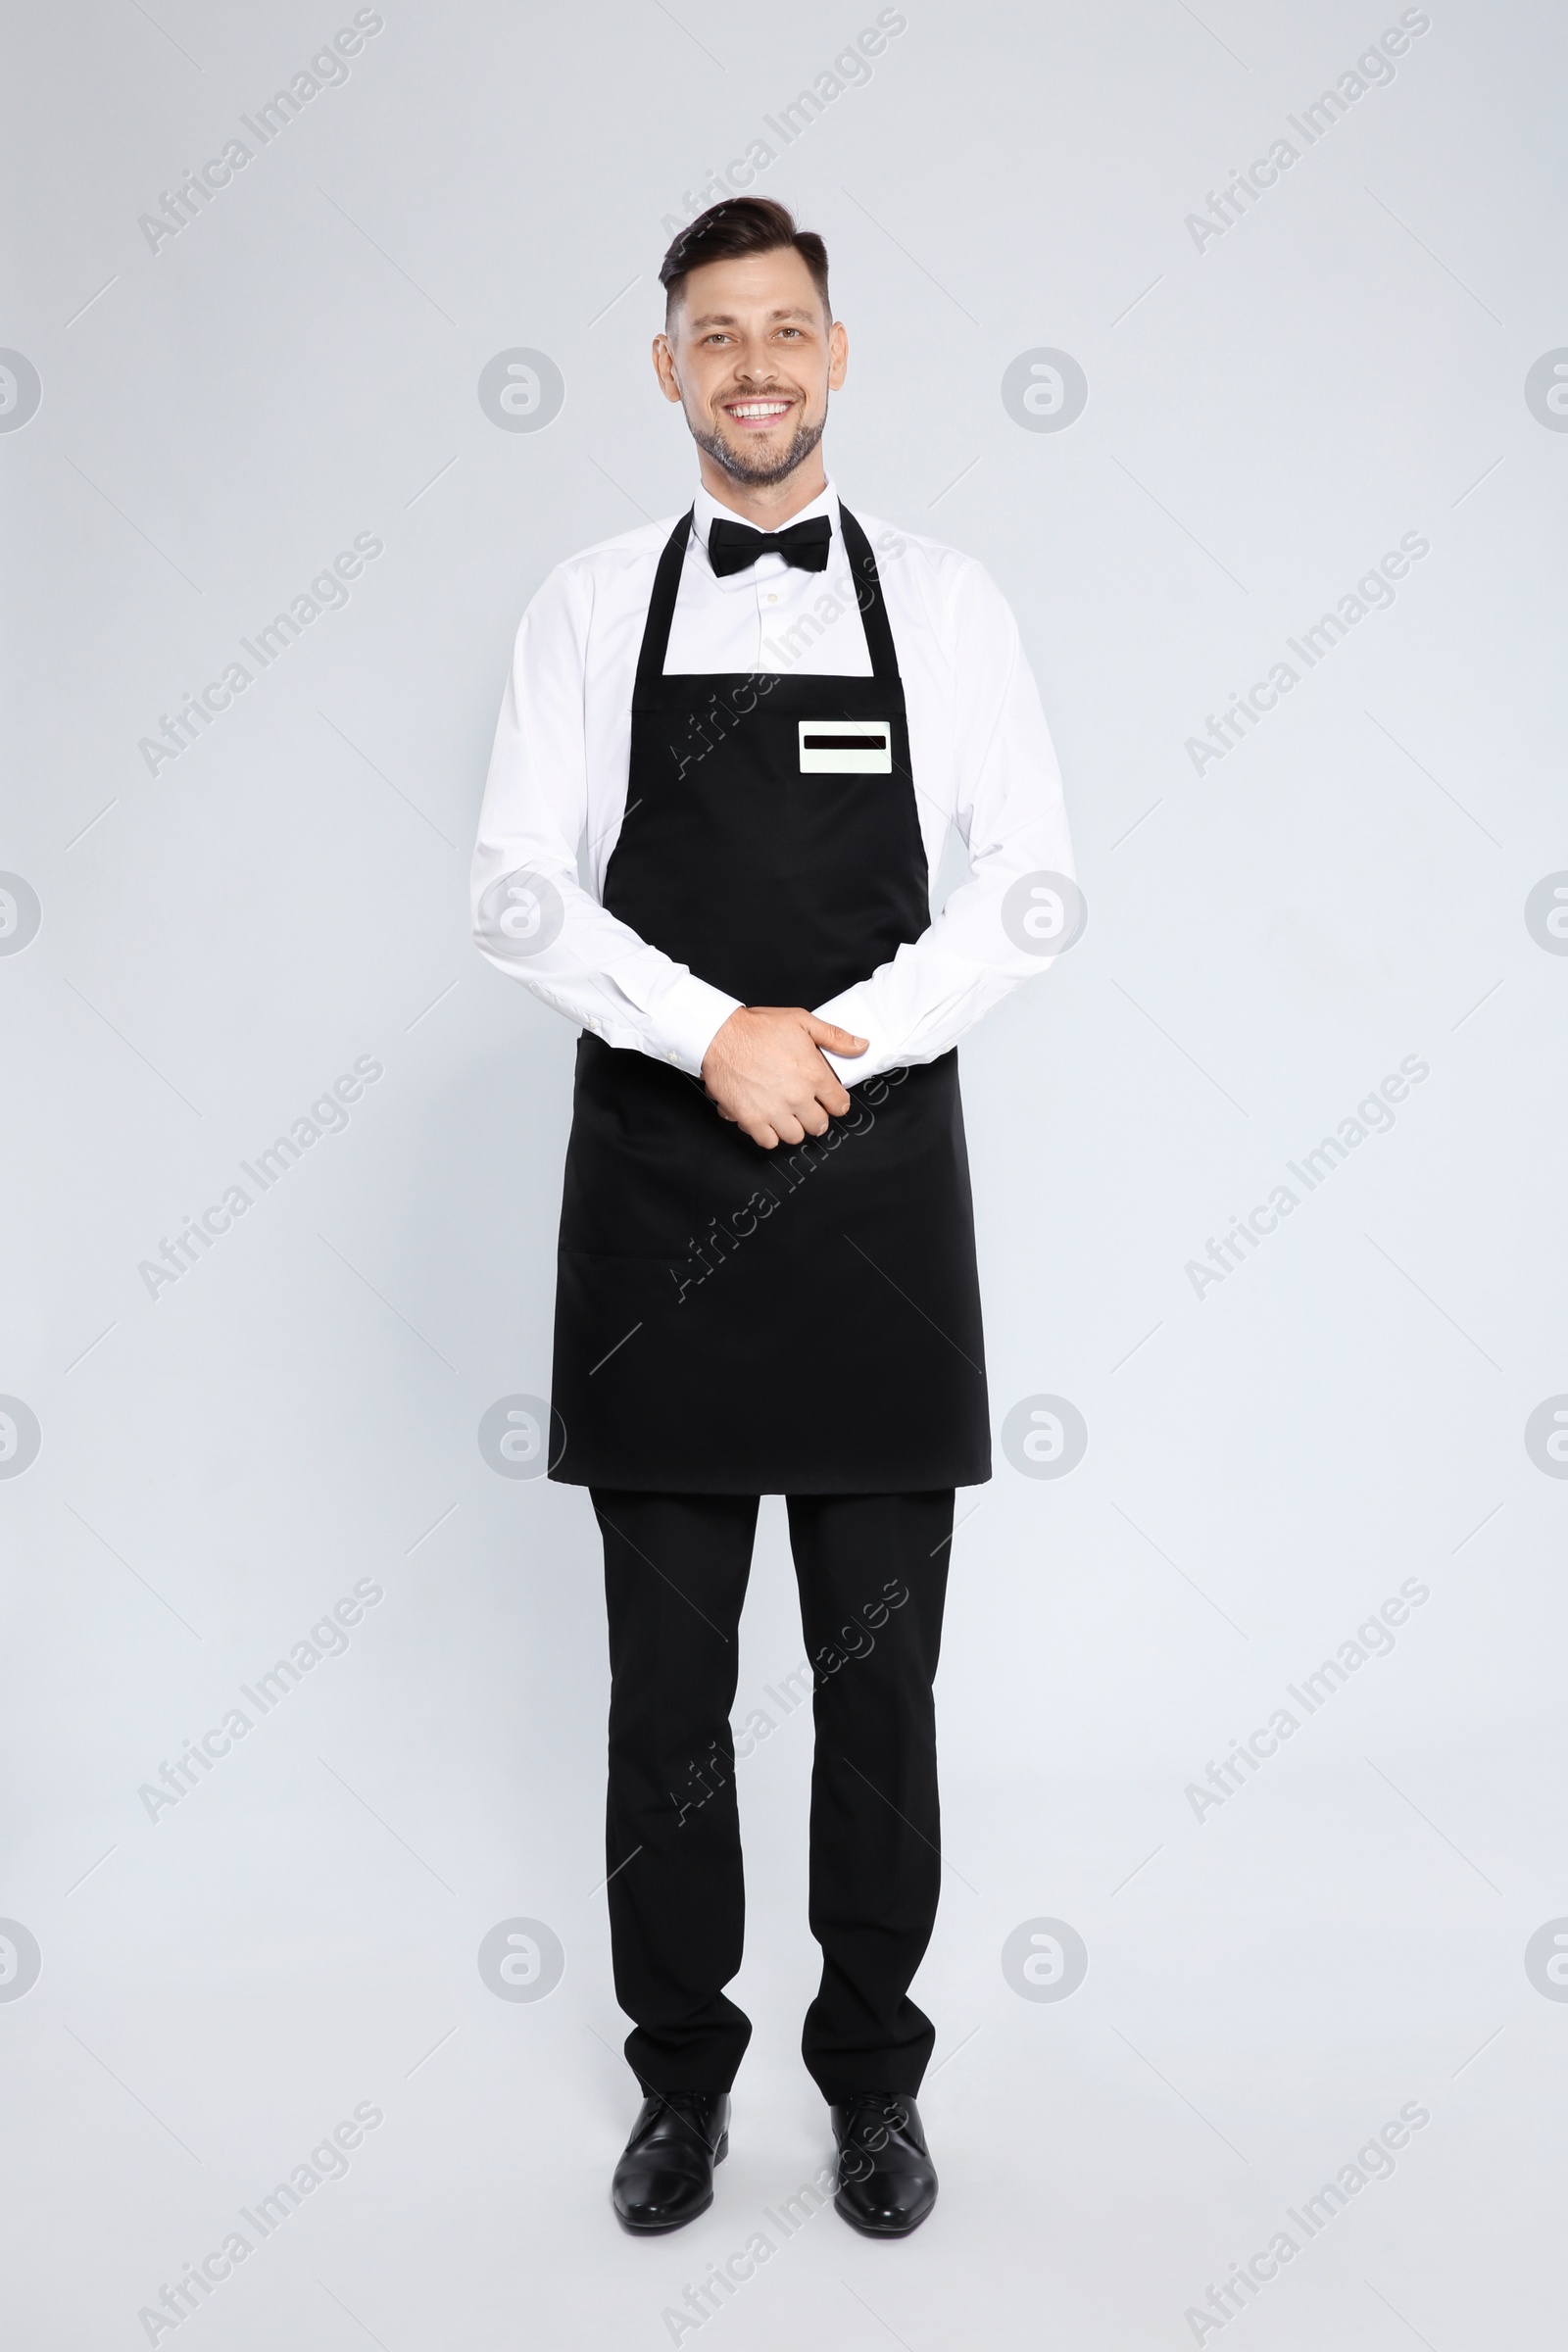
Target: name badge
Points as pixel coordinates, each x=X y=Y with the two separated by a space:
x=846 y=746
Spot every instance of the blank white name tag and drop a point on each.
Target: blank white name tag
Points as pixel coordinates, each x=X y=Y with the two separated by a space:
x=846 y=746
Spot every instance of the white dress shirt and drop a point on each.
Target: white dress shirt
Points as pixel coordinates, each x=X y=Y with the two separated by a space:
x=980 y=750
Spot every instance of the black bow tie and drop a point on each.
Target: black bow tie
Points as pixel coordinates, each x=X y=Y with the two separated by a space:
x=735 y=546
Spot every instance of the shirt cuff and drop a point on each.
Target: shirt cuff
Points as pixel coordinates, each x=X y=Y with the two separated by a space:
x=848 y=1011
x=689 y=1016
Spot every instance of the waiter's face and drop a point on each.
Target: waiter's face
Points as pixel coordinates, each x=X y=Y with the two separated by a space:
x=751 y=354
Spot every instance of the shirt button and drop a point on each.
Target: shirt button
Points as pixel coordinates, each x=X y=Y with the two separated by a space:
x=772 y=596
x=671 y=1058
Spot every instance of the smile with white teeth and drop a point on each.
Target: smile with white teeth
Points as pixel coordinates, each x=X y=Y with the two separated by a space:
x=756 y=411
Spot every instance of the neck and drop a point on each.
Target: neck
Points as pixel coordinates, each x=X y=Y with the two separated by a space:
x=768 y=505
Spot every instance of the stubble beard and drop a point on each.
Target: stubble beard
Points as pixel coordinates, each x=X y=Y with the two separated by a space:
x=760 y=470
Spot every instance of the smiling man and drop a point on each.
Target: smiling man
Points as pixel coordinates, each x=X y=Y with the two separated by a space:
x=760 y=721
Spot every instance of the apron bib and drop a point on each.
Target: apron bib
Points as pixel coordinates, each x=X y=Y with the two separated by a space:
x=731 y=1320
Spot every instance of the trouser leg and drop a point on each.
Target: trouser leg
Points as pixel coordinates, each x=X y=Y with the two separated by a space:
x=872 y=1573
x=675 y=1574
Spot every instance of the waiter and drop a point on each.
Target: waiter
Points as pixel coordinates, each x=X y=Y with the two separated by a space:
x=760 y=721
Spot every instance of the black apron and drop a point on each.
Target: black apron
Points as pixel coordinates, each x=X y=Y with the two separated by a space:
x=731 y=1320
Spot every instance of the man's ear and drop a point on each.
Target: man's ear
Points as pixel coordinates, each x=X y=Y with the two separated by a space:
x=838 y=355
x=665 y=367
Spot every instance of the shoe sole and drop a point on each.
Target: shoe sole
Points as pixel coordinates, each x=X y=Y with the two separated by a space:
x=663 y=2228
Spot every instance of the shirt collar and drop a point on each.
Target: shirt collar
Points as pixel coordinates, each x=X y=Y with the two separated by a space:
x=704 y=508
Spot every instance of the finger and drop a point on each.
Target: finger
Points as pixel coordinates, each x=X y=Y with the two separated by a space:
x=784 y=1125
x=829 y=1088
x=807 y=1106
x=837 y=1040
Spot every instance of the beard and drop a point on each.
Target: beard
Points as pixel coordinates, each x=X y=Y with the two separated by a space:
x=760 y=469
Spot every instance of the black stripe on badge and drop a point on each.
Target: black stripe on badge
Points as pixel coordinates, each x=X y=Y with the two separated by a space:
x=844 y=743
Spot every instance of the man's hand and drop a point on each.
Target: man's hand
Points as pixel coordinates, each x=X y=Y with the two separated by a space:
x=767 y=1074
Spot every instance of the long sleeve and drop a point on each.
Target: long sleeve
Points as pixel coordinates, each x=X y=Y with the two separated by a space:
x=1008 y=806
x=532 y=918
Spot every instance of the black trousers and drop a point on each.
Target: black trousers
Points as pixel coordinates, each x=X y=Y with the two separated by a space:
x=872 y=1575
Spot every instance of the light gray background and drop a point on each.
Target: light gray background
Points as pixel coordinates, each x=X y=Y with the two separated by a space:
x=1267 y=1985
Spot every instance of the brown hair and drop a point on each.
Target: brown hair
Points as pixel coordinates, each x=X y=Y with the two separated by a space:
x=742 y=224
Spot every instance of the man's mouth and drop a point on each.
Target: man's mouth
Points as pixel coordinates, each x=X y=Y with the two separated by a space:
x=758 y=415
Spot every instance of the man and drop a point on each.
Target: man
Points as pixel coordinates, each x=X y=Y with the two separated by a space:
x=761 y=720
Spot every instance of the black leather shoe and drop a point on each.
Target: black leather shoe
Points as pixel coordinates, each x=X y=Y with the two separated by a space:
x=665 y=2175
x=887 y=2182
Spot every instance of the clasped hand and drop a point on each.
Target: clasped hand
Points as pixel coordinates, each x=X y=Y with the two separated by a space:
x=765 y=1069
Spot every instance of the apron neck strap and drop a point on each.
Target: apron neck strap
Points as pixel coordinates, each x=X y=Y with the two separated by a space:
x=666 y=584
x=870 y=598
x=660 y=613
